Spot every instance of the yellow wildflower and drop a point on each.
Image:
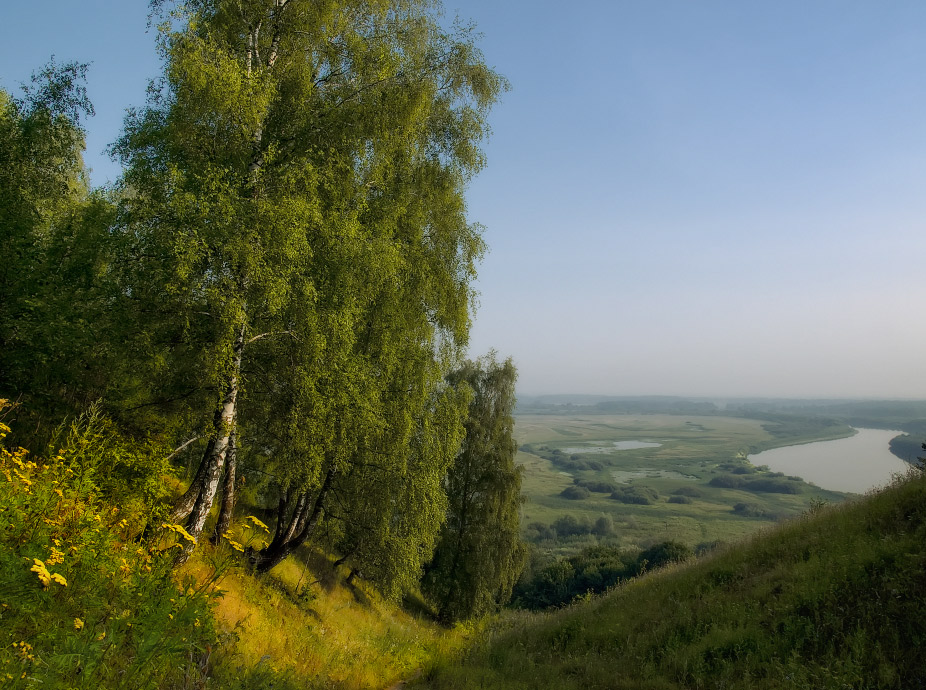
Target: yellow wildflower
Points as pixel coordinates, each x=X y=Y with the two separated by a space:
x=235 y=545
x=78 y=624
x=55 y=557
x=57 y=577
x=39 y=569
x=178 y=529
x=258 y=523
x=101 y=635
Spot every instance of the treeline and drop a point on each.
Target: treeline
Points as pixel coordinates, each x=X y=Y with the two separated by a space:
x=593 y=571
x=278 y=286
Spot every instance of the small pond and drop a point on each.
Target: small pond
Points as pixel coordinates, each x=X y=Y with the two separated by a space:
x=615 y=445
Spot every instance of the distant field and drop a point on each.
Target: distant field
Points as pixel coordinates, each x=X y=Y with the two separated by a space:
x=559 y=450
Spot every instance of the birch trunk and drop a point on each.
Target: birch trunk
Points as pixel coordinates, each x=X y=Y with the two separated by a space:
x=223 y=435
x=228 y=491
x=184 y=505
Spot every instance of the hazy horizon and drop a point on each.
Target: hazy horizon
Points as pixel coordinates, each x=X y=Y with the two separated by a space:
x=710 y=199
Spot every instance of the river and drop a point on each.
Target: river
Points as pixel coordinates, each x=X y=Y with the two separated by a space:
x=855 y=464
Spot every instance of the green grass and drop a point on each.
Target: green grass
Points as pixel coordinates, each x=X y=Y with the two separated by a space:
x=692 y=452
x=832 y=600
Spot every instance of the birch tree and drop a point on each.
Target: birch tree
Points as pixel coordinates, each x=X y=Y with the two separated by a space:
x=277 y=208
x=479 y=554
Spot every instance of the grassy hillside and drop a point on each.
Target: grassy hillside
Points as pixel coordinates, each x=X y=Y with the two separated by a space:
x=835 y=599
x=86 y=602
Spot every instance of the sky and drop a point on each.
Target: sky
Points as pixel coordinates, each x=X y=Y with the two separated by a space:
x=711 y=198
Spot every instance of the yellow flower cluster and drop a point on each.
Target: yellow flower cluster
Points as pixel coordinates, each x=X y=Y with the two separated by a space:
x=46 y=577
x=258 y=523
x=24 y=651
x=178 y=529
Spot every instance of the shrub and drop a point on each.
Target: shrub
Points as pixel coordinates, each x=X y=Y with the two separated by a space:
x=692 y=491
x=537 y=531
x=663 y=554
x=603 y=526
x=679 y=499
x=596 y=486
x=575 y=493
x=727 y=481
x=83 y=604
x=569 y=526
x=636 y=495
x=773 y=486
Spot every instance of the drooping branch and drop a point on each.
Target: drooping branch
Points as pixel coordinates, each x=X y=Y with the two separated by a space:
x=270 y=334
x=183 y=445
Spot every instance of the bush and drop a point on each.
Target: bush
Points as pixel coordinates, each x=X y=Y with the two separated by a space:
x=680 y=499
x=727 y=481
x=569 y=526
x=691 y=491
x=537 y=531
x=560 y=582
x=575 y=493
x=603 y=526
x=773 y=486
x=663 y=554
x=84 y=605
x=635 y=495
x=596 y=486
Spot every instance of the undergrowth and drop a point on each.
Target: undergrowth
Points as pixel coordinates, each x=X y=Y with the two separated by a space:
x=91 y=599
x=83 y=604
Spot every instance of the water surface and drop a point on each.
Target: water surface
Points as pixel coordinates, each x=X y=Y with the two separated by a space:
x=855 y=464
x=615 y=445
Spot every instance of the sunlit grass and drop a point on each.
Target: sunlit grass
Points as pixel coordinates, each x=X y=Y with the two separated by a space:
x=302 y=624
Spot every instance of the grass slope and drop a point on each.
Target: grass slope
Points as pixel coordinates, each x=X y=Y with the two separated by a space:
x=836 y=599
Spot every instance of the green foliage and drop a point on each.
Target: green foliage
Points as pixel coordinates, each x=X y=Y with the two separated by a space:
x=636 y=495
x=124 y=471
x=773 y=485
x=56 y=328
x=479 y=554
x=663 y=554
x=575 y=493
x=827 y=601
x=592 y=571
x=83 y=604
x=596 y=486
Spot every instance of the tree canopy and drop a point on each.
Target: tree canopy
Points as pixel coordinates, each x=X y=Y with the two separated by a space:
x=479 y=554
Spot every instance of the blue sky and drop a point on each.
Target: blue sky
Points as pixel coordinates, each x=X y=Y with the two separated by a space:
x=692 y=198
